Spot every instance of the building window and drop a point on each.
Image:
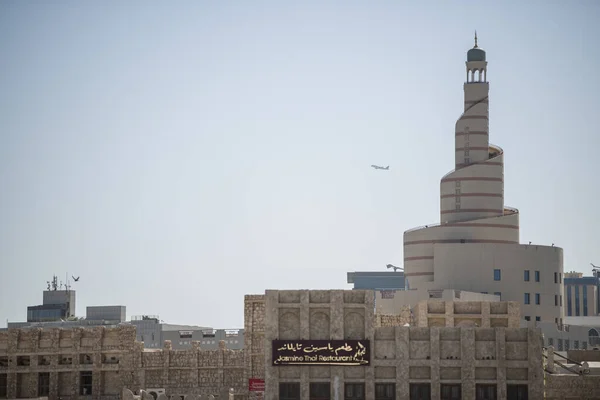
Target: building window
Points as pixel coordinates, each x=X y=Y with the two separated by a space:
x=550 y=342
x=354 y=391
x=485 y=392
x=577 y=309
x=560 y=298
x=556 y=300
x=537 y=276
x=526 y=277
x=499 y=294
x=44 y=384
x=23 y=361
x=593 y=337
x=527 y=318
x=497 y=275
x=3 y=385
x=537 y=318
x=420 y=391
x=576 y=344
x=385 y=391
x=556 y=277
x=320 y=391
x=289 y=391
x=584 y=345
x=569 y=302
x=559 y=277
x=585 y=299
x=567 y=344
x=537 y=298
x=450 y=391
x=517 y=392
x=560 y=345
x=527 y=299
x=85 y=383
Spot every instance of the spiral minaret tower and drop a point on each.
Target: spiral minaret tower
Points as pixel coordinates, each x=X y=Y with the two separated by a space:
x=475 y=247
x=472 y=194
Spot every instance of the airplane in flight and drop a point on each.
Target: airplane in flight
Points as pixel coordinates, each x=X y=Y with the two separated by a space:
x=378 y=167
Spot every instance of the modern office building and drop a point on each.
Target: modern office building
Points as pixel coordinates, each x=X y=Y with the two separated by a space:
x=57 y=304
x=107 y=313
x=581 y=294
x=182 y=336
x=475 y=247
x=153 y=333
x=107 y=316
x=377 y=280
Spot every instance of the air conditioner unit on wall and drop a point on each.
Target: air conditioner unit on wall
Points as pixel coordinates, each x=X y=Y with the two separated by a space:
x=154 y=392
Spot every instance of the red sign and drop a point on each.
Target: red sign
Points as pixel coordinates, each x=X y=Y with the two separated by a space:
x=256 y=385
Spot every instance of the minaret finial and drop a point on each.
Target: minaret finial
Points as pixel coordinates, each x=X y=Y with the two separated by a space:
x=475 y=38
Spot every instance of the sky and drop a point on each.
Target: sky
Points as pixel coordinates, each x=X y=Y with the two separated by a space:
x=179 y=155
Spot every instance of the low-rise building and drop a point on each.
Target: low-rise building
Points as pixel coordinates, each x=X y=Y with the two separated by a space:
x=301 y=345
x=377 y=280
x=581 y=295
x=325 y=343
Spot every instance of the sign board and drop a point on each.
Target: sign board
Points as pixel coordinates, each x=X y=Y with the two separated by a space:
x=185 y=334
x=388 y=294
x=321 y=352
x=256 y=385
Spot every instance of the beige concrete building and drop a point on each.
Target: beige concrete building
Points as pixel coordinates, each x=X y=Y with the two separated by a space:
x=476 y=246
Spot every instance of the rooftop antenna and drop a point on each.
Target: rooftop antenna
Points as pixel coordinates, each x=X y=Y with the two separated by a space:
x=475 y=39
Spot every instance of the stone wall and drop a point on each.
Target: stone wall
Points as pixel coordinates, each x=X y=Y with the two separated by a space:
x=99 y=362
x=584 y=355
x=466 y=355
x=405 y=316
x=254 y=339
x=570 y=387
x=314 y=315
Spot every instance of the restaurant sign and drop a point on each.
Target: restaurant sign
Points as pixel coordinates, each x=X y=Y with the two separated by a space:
x=321 y=352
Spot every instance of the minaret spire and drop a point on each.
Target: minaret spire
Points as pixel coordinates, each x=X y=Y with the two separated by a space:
x=475 y=39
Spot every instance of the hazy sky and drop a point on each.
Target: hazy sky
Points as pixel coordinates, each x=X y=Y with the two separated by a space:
x=178 y=155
